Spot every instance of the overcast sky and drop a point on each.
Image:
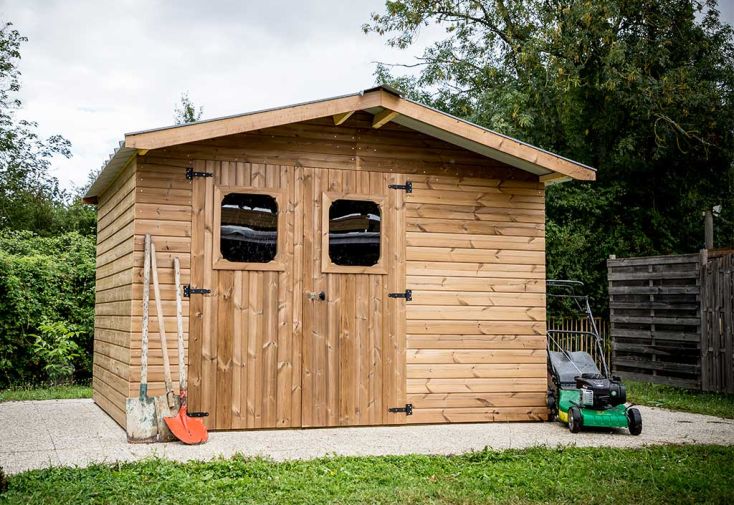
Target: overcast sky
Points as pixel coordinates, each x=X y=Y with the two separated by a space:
x=95 y=69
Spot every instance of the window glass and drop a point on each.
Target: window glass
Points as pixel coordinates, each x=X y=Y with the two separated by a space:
x=354 y=232
x=249 y=228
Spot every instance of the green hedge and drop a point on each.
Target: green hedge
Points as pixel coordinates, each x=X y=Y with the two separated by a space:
x=45 y=282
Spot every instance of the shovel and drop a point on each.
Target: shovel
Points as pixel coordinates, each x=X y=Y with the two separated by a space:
x=187 y=429
x=141 y=419
x=167 y=404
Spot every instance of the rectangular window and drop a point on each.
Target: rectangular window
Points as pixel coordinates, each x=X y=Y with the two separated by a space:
x=353 y=234
x=248 y=228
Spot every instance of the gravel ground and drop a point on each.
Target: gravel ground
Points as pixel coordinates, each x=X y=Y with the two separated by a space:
x=39 y=434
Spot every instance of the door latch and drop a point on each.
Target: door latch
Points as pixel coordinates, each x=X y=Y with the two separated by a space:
x=313 y=295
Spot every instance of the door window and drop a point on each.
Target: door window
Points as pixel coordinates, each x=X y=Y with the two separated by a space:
x=353 y=234
x=248 y=231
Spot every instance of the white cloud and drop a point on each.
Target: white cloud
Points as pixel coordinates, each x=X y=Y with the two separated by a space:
x=93 y=70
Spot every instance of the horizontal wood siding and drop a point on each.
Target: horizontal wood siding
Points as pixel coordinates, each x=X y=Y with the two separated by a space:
x=113 y=308
x=163 y=209
x=476 y=325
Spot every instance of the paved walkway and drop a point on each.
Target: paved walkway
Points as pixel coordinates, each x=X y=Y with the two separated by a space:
x=77 y=432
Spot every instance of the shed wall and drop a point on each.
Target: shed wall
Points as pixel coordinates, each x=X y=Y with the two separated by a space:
x=475 y=259
x=476 y=325
x=114 y=295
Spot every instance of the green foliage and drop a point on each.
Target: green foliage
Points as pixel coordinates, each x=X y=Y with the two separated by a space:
x=3 y=481
x=643 y=90
x=673 y=398
x=56 y=349
x=186 y=111
x=658 y=474
x=45 y=280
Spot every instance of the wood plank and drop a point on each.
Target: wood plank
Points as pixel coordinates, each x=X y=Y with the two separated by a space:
x=436 y=312
x=473 y=327
x=484 y=256
x=452 y=269
x=502 y=385
x=474 y=356
x=473 y=298
x=476 y=341
x=479 y=284
x=476 y=415
x=475 y=241
x=476 y=400
x=479 y=371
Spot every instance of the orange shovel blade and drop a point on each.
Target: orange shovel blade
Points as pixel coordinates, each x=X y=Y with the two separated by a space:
x=188 y=430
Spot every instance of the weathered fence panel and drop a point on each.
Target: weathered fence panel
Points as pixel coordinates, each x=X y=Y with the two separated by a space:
x=577 y=337
x=655 y=318
x=717 y=327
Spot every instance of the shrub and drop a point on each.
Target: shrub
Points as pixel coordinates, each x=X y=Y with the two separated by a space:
x=55 y=348
x=45 y=280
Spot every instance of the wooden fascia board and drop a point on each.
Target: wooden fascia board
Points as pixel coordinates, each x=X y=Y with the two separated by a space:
x=487 y=138
x=250 y=122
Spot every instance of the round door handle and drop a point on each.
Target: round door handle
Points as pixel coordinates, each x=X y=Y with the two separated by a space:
x=322 y=296
x=313 y=295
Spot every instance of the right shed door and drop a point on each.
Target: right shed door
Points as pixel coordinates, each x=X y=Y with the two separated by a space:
x=353 y=354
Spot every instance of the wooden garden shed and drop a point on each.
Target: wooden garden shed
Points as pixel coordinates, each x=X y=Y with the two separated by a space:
x=345 y=256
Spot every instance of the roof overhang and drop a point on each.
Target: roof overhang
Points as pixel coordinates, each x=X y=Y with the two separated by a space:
x=383 y=102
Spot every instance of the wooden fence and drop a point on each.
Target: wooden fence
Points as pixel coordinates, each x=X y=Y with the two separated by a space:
x=717 y=325
x=657 y=305
x=576 y=337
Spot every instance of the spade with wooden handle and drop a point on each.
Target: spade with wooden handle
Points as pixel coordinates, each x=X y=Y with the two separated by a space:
x=141 y=425
x=187 y=429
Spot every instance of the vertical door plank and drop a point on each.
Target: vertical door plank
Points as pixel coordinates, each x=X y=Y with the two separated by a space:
x=296 y=196
x=224 y=336
x=307 y=378
x=196 y=304
x=209 y=343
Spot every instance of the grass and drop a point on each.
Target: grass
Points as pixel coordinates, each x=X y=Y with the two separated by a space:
x=667 y=397
x=660 y=474
x=22 y=393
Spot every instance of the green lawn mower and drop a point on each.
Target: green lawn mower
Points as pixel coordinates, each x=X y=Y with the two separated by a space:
x=582 y=395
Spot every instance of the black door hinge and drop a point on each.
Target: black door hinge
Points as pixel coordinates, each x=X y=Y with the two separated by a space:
x=197 y=414
x=408 y=409
x=190 y=174
x=408 y=186
x=408 y=295
x=188 y=291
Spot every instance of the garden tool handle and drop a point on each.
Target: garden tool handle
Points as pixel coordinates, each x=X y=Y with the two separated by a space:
x=161 y=328
x=146 y=303
x=179 y=328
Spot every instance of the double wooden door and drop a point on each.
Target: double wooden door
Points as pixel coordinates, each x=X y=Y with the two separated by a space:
x=298 y=340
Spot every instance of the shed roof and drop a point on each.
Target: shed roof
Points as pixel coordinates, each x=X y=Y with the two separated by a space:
x=384 y=102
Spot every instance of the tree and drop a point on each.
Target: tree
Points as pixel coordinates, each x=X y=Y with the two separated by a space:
x=640 y=89
x=186 y=111
x=29 y=197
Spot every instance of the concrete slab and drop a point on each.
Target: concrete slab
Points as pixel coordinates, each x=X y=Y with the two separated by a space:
x=78 y=433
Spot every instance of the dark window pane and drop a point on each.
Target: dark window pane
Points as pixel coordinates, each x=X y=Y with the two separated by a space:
x=249 y=228
x=354 y=232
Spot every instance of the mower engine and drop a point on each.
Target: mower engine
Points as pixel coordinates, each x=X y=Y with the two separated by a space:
x=600 y=393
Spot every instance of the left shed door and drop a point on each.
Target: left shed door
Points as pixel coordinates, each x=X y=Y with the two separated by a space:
x=244 y=347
